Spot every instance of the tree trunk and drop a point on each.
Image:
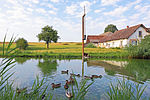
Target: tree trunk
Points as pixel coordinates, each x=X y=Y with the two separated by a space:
x=47 y=45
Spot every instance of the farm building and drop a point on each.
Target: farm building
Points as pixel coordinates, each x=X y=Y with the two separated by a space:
x=121 y=38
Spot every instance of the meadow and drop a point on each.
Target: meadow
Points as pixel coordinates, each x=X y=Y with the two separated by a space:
x=67 y=50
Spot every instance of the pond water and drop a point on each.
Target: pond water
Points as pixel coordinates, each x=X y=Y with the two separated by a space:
x=27 y=69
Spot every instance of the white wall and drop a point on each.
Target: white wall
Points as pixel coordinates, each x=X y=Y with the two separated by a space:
x=116 y=43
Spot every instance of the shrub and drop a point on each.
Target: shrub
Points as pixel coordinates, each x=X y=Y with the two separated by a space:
x=91 y=45
x=142 y=50
x=21 y=43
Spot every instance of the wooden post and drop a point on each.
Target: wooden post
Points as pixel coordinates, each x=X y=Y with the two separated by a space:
x=83 y=34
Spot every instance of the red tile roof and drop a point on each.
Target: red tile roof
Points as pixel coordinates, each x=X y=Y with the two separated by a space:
x=93 y=38
x=96 y=38
x=121 y=34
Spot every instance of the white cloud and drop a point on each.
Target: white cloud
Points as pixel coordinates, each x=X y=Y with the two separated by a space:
x=41 y=10
x=55 y=1
x=117 y=11
x=35 y=1
x=30 y=9
x=135 y=16
x=51 y=6
x=12 y=1
x=71 y=9
x=85 y=3
x=52 y=12
x=109 y=2
x=97 y=11
x=137 y=7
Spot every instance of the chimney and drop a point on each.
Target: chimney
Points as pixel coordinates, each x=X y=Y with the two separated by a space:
x=127 y=26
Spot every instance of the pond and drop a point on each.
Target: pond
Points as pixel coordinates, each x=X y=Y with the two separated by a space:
x=27 y=69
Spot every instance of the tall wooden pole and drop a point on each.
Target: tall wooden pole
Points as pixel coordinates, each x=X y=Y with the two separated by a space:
x=83 y=34
x=83 y=43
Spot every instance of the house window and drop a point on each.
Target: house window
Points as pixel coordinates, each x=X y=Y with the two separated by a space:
x=134 y=42
x=140 y=33
x=113 y=43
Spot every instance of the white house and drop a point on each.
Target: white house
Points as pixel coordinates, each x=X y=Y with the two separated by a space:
x=121 y=38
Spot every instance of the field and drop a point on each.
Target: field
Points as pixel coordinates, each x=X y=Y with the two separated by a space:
x=67 y=49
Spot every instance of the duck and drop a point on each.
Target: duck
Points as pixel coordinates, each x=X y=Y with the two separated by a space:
x=66 y=86
x=68 y=82
x=88 y=77
x=78 y=75
x=96 y=76
x=21 y=90
x=64 y=72
x=69 y=95
x=71 y=79
x=56 y=85
x=43 y=97
x=72 y=74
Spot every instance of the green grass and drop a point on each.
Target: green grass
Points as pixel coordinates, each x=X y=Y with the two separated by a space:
x=65 y=50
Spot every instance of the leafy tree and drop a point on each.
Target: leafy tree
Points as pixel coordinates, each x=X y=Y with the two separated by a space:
x=111 y=28
x=48 y=35
x=21 y=43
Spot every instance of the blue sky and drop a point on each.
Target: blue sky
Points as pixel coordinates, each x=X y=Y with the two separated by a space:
x=25 y=18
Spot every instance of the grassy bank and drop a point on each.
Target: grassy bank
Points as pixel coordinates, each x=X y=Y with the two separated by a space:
x=65 y=50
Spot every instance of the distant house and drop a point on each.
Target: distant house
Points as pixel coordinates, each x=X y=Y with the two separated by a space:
x=95 y=39
x=121 y=38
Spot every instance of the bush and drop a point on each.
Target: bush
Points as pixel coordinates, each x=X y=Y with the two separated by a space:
x=91 y=45
x=142 y=50
x=21 y=43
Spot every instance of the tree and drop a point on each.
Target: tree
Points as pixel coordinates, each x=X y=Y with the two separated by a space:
x=21 y=43
x=48 y=35
x=111 y=28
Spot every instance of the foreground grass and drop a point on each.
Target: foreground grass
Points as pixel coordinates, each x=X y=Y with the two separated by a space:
x=68 y=50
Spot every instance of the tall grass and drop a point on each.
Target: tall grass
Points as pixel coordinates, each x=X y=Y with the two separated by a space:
x=124 y=90
x=81 y=89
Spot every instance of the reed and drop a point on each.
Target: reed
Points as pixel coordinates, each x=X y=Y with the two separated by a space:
x=124 y=90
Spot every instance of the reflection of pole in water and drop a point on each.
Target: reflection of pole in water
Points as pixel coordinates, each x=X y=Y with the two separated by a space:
x=82 y=67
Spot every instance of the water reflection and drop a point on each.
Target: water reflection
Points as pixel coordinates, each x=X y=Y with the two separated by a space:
x=82 y=67
x=47 y=65
x=21 y=60
x=135 y=69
